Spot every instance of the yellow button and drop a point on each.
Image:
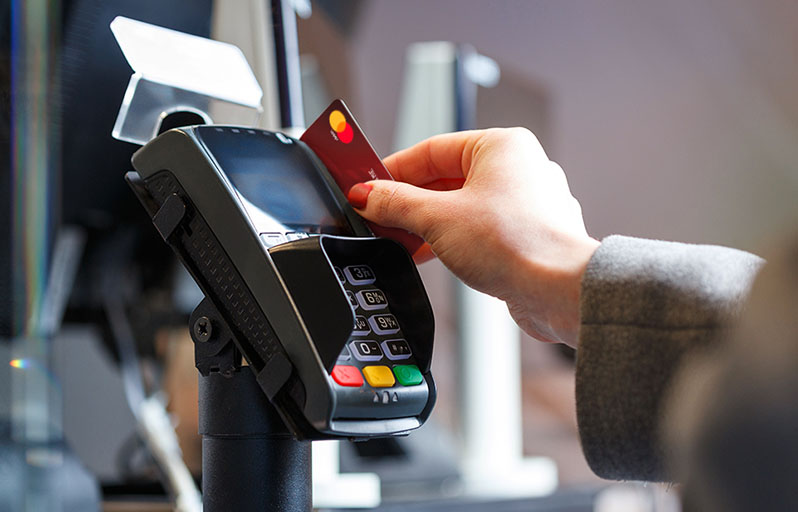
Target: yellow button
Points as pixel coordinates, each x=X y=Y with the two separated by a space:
x=379 y=376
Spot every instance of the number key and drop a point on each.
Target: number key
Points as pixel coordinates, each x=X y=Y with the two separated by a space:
x=384 y=324
x=359 y=274
x=372 y=299
x=361 y=327
x=366 y=350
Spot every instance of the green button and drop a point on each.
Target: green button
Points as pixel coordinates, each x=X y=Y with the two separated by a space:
x=408 y=374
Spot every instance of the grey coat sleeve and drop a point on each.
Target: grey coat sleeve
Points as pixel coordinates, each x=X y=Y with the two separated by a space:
x=645 y=307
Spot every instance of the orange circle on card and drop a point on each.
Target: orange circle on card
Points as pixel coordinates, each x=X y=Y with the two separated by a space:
x=337 y=121
x=346 y=134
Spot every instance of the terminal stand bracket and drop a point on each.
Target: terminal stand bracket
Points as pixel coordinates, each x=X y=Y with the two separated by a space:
x=214 y=350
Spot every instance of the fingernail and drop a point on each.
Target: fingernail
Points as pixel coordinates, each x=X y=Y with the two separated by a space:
x=359 y=194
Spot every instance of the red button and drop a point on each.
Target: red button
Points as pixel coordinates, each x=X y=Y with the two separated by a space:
x=347 y=376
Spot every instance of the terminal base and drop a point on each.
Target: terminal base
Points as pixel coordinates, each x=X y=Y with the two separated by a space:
x=250 y=460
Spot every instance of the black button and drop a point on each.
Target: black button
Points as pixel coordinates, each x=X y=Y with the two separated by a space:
x=352 y=300
x=372 y=299
x=359 y=274
x=384 y=324
x=361 y=327
x=366 y=350
x=396 y=349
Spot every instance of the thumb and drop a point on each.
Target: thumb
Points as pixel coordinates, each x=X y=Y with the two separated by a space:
x=394 y=204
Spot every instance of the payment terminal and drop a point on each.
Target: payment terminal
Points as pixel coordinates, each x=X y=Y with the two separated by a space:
x=335 y=323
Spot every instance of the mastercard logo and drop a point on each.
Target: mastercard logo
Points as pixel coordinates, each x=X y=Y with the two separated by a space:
x=341 y=127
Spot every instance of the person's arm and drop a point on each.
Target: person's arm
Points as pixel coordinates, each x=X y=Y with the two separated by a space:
x=647 y=307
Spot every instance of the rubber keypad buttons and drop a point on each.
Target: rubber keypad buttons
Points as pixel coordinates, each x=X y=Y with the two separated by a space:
x=396 y=349
x=408 y=374
x=379 y=376
x=347 y=376
x=361 y=327
x=359 y=274
x=371 y=300
x=366 y=350
x=384 y=324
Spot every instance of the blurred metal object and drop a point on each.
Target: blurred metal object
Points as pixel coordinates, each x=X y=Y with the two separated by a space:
x=156 y=428
x=248 y=25
x=303 y=8
x=289 y=76
x=69 y=244
x=481 y=69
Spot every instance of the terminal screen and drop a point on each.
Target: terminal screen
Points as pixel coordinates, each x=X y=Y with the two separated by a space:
x=276 y=181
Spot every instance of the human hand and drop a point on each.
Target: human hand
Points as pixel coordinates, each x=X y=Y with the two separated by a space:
x=499 y=214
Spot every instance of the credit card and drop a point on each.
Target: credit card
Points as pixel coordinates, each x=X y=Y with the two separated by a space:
x=339 y=142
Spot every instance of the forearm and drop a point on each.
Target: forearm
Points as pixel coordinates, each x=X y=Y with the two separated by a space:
x=645 y=307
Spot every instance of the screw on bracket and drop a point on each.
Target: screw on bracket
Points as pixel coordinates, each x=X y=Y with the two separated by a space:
x=203 y=329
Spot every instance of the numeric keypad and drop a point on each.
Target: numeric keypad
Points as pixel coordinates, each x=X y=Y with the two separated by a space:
x=377 y=349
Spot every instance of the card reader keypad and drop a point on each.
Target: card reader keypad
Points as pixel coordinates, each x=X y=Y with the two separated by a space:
x=377 y=365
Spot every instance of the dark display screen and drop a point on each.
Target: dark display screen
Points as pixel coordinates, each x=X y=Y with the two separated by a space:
x=276 y=181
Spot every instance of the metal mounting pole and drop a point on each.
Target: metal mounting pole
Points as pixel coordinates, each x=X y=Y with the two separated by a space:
x=250 y=460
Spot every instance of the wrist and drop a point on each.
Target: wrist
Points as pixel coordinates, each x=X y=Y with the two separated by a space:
x=547 y=305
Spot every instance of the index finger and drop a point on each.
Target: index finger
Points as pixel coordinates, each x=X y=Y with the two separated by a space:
x=447 y=156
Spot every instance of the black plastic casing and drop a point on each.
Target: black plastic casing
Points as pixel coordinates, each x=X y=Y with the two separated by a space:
x=288 y=313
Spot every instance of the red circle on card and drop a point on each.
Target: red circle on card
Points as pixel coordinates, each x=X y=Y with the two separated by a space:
x=347 y=134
